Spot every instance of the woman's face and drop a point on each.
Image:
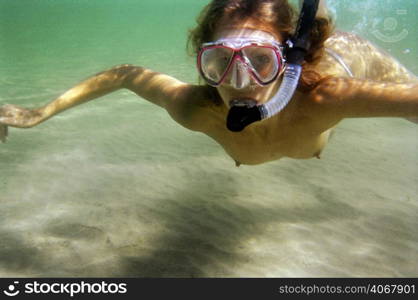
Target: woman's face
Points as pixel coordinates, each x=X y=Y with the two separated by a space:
x=253 y=91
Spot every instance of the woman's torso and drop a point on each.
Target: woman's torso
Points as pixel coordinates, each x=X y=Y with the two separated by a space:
x=302 y=130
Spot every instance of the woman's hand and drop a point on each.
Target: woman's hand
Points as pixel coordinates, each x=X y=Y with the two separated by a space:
x=15 y=116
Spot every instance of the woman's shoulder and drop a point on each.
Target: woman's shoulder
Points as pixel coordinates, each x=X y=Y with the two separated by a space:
x=345 y=39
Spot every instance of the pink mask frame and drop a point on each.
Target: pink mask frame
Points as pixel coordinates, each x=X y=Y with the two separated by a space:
x=236 y=45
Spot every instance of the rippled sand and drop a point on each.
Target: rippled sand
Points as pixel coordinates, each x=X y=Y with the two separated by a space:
x=114 y=205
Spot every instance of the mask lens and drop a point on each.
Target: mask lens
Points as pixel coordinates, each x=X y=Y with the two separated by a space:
x=215 y=62
x=264 y=62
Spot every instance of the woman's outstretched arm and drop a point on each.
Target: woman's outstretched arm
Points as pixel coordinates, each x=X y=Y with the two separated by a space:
x=160 y=89
x=94 y=87
x=359 y=98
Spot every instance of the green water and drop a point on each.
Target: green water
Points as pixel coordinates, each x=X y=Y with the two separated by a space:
x=116 y=188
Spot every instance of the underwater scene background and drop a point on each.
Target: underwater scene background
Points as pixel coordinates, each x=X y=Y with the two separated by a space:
x=114 y=187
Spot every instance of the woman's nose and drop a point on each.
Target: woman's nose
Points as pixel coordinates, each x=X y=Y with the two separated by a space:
x=239 y=76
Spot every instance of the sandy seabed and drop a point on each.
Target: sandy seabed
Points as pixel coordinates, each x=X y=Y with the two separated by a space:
x=113 y=205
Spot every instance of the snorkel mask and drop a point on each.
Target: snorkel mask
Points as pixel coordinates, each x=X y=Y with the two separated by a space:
x=262 y=61
x=239 y=61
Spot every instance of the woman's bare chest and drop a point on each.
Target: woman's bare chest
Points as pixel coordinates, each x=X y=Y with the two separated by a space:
x=261 y=145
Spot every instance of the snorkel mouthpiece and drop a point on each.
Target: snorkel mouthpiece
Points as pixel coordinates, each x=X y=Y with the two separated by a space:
x=241 y=115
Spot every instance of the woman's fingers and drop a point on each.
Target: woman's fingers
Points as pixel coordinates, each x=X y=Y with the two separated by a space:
x=3 y=127
x=3 y=133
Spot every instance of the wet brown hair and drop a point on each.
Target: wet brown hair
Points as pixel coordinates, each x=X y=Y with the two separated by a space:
x=278 y=15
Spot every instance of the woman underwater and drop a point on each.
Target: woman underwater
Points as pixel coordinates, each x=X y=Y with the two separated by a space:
x=242 y=57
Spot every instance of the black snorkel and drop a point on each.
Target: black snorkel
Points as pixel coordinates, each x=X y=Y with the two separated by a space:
x=245 y=112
